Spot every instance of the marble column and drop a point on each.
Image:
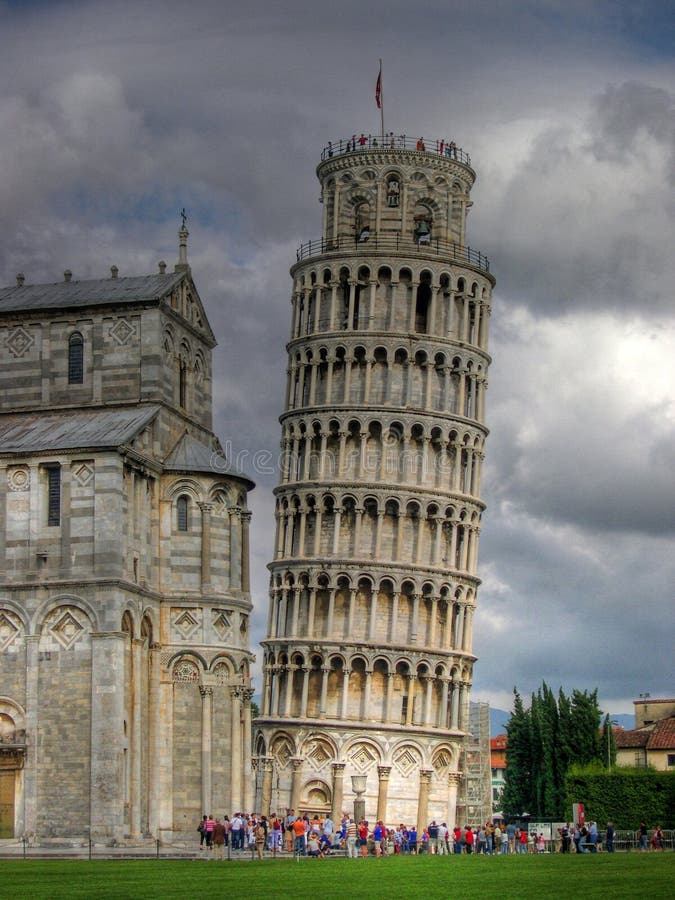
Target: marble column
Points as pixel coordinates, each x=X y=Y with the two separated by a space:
x=296 y=782
x=267 y=770
x=207 y=705
x=423 y=801
x=338 y=792
x=235 y=756
x=206 y=509
x=382 y=792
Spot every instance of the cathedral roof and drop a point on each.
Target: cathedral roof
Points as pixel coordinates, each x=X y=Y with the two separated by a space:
x=98 y=291
x=190 y=455
x=70 y=430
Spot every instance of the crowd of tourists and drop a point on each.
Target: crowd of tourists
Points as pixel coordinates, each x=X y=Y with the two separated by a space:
x=320 y=837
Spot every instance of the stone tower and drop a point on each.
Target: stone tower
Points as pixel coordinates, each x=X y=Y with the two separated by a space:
x=368 y=662
x=124 y=577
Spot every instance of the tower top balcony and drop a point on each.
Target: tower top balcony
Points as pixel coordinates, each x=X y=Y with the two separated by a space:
x=358 y=143
x=397 y=195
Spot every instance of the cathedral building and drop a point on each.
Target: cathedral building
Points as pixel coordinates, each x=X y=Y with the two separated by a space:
x=368 y=656
x=125 y=691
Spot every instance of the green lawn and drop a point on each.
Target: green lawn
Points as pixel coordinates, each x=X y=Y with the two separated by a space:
x=649 y=875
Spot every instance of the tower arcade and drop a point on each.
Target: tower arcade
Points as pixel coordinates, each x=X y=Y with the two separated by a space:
x=368 y=657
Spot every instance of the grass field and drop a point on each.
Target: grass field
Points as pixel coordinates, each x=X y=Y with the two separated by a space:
x=603 y=875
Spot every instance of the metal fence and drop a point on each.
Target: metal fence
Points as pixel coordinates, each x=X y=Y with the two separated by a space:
x=360 y=142
x=447 y=250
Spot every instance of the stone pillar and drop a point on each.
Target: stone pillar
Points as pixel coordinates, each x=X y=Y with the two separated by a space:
x=249 y=782
x=296 y=782
x=324 y=690
x=312 y=612
x=453 y=785
x=290 y=669
x=338 y=792
x=235 y=547
x=267 y=770
x=382 y=791
x=235 y=756
x=366 y=694
x=305 y=692
x=155 y=734
x=345 y=693
x=412 y=689
x=443 y=711
x=245 y=554
x=107 y=714
x=428 y=688
x=388 y=699
x=372 y=623
x=207 y=705
x=206 y=547
x=136 y=743
x=423 y=802
x=32 y=724
x=454 y=704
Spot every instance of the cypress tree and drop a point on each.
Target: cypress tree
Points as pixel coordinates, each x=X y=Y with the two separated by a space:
x=518 y=796
x=608 y=743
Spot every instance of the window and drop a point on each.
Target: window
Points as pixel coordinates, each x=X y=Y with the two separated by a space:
x=182 y=383
x=54 y=494
x=182 y=512
x=75 y=359
x=671 y=759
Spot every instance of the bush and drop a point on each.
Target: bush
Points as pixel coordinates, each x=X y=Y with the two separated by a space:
x=624 y=796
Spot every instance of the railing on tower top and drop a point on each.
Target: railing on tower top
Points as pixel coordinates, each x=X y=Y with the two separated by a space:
x=395 y=243
x=359 y=142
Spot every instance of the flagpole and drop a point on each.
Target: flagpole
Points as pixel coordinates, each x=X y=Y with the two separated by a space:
x=381 y=105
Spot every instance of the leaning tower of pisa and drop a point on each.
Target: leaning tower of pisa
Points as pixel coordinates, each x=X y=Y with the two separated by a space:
x=368 y=656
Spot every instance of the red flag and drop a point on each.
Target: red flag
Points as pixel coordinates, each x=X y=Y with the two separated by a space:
x=378 y=89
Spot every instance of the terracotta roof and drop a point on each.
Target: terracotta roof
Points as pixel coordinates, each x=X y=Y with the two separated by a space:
x=662 y=736
x=635 y=737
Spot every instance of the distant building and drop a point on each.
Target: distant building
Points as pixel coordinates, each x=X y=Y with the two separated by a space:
x=498 y=746
x=124 y=581
x=652 y=741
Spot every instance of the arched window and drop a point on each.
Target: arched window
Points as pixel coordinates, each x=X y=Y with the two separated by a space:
x=182 y=512
x=75 y=358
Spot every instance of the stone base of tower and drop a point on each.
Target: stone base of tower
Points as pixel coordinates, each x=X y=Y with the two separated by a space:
x=410 y=778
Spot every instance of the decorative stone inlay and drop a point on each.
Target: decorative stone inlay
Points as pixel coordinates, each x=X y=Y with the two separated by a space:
x=243 y=626
x=222 y=673
x=67 y=630
x=222 y=624
x=442 y=762
x=317 y=754
x=406 y=760
x=362 y=757
x=18 y=478
x=9 y=631
x=122 y=331
x=19 y=341
x=83 y=474
x=185 y=671
x=282 y=752
x=185 y=624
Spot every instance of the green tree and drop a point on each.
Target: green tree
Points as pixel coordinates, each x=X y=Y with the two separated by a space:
x=517 y=796
x=585 y=725
x=608 y=743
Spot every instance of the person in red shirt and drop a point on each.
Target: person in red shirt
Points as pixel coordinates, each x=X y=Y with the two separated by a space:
x=468 y=839
x=363 y=837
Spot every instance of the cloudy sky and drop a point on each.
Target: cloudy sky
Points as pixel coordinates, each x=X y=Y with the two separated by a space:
x=115 y=114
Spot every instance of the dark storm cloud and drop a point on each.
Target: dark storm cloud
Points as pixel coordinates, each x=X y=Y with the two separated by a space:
x=115 y=115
